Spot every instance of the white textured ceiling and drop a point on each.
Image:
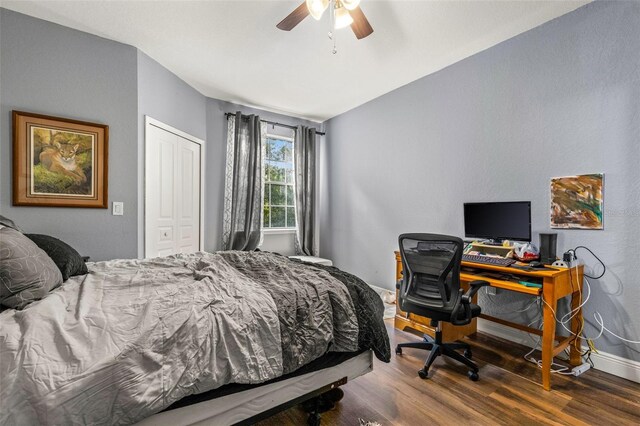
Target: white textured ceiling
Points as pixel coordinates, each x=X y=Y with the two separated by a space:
x=231 y=50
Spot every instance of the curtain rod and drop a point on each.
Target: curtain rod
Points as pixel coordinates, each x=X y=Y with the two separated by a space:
x=274 y=123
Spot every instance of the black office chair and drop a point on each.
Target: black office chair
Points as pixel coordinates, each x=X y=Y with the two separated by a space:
x=431 y=288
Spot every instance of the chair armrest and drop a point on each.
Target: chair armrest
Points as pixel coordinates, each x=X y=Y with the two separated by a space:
x=464 y=303
x=474 y=286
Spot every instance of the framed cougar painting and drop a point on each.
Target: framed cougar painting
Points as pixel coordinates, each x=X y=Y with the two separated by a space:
x=58 y=162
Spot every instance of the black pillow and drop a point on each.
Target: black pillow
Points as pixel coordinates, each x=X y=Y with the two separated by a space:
x=63 y=255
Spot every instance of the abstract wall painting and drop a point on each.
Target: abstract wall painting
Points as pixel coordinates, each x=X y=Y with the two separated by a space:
x=59 y=162
x=577 y=202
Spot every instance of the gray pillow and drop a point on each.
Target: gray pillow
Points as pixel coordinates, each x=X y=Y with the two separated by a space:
x=8 y=222
x=27 y=273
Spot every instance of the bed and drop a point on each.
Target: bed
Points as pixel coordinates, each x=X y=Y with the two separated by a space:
x=205 y=337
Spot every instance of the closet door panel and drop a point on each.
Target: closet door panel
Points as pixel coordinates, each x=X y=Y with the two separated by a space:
x=160 y=187
x=172 y=194
x=189 y=197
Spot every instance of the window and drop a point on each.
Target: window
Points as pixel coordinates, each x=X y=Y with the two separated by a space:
x=279 y=210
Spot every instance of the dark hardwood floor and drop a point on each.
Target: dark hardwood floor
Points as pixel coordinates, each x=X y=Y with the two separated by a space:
x=508 y=392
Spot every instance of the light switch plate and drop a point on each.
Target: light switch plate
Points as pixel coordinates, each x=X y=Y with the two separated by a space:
x=118 y=208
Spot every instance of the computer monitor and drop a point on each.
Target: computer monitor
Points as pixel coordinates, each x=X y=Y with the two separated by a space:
x=498 y=221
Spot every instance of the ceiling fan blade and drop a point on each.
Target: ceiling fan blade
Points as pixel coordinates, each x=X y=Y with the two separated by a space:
x=361 y=26
x=294 y=18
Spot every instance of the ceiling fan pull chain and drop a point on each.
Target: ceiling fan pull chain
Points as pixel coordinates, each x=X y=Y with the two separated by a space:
x=332 y=22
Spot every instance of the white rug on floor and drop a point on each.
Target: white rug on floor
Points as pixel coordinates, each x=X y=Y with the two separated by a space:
x=386 y=296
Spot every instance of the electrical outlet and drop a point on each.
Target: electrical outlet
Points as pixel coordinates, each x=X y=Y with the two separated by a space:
x=118 y=208
x=581 y=369
x=560 y=264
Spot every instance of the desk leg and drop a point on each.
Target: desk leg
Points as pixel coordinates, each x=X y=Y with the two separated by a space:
x=576 y=324
x=548 y=332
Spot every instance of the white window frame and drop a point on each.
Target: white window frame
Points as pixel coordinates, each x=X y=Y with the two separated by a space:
x=294 y=229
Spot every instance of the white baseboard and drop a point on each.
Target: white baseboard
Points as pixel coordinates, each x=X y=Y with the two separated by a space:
x=616 y=365
x=603 y=361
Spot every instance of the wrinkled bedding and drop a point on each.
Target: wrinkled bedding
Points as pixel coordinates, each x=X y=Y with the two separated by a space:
x=133 y=336
x=372 y=333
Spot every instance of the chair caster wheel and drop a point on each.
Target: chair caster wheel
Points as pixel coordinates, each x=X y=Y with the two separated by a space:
x=473 y=376
x=422 y=374
x=467 y=353
x=398 y=350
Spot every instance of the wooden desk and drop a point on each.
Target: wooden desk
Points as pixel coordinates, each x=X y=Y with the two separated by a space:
x=556 y=284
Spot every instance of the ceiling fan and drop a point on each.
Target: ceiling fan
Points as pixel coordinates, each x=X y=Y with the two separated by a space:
x=343 y=12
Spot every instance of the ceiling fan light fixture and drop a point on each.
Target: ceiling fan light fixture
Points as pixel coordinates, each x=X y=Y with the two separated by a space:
x=343 y=18
x=350 y=4
x=317 y=8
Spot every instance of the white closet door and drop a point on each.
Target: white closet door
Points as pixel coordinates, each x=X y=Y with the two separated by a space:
x=188 y=197
x=172 y=193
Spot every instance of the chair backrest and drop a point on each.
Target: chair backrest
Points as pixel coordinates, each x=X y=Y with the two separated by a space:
x=431 y=265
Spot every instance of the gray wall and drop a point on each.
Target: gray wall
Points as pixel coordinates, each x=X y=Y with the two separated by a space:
x=165 y=97
x=216 y=156
x=49 y=69
x=561 y=99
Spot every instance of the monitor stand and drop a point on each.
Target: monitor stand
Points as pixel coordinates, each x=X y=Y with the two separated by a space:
x=489 y=250
x=492 y=242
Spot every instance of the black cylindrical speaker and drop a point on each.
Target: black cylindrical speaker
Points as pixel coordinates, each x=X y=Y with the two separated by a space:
x=548 y=243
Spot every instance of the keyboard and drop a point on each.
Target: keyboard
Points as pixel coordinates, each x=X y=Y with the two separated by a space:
x=498 y=261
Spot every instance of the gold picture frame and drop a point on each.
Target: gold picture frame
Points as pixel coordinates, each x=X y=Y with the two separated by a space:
x=59 y=162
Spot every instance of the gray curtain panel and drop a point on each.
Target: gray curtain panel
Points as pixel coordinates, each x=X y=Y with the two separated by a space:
x=242 y=223
x=304 y=151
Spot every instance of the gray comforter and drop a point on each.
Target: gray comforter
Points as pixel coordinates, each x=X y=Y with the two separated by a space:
x=131 y=337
